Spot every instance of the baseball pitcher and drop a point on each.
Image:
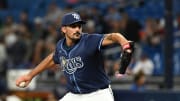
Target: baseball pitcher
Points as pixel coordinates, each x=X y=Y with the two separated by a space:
x=80 y=57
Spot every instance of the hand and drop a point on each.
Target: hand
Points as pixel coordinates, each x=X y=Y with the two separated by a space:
x=24 y=78
x=129 y=47
x=119 y=76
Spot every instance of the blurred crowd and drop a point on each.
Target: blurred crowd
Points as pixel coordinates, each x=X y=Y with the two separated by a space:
x=24 y=41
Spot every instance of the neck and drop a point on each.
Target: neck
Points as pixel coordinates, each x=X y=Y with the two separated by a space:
x=70 y=42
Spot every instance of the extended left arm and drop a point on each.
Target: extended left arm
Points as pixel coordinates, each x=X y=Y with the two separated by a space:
x=127 y=46
x=114 y=38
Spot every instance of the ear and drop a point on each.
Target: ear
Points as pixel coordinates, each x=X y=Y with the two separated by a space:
x=63 y=29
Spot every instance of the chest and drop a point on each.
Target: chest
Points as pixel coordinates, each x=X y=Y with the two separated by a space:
x=75 y=59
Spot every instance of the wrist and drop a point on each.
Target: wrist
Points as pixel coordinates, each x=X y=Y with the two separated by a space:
x=126 y=46
x=30 y=75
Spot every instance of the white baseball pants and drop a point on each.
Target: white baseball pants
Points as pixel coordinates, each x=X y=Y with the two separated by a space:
x=99 y=95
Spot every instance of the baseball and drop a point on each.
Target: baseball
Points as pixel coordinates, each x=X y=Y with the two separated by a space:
x=22 y=84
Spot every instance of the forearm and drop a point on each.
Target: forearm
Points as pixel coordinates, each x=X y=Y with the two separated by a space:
x=114 y=38
x=119 y=38
x=45 y=64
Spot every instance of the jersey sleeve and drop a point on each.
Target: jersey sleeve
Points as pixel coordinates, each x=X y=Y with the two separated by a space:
x=55 y=56
x=95 y=40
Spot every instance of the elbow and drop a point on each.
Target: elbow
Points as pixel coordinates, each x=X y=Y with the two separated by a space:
x=115 y=35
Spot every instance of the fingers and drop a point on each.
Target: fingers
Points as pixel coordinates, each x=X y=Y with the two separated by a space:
x=21 y=82
x=17 y=82
x=117 y=75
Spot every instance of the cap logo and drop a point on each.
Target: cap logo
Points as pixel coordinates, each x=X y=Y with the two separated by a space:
x=76 y=16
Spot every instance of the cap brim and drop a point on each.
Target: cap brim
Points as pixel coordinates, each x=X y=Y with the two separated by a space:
x=80 y=22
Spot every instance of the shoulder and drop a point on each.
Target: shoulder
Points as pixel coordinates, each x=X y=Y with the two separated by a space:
x=93 y=35
x=59 y=42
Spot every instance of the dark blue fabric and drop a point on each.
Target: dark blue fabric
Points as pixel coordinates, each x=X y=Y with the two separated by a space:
x=124 y=95
x=71 y=18
x=83 y=66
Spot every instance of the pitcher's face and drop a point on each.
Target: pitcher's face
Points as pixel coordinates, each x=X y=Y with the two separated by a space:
x=73 y=31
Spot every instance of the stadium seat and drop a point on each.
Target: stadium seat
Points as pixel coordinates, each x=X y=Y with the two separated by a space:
x=156 y=55
x=3 y=14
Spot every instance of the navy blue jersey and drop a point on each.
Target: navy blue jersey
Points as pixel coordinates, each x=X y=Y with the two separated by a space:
x=83 y=65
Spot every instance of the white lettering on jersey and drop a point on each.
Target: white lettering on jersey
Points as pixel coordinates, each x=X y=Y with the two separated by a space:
x=71 y=65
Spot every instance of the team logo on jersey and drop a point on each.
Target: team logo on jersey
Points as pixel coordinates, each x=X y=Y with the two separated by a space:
x=71 y=65
x=76 y=16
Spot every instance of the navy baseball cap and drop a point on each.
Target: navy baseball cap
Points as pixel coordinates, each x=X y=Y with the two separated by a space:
x=71 y=18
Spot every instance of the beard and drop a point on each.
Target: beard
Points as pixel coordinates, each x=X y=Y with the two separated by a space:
x=75 y=37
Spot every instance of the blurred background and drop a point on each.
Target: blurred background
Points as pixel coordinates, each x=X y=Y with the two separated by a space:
x=29 y=30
